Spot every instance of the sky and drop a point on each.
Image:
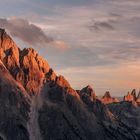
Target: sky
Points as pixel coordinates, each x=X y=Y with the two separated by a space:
x=90 y=42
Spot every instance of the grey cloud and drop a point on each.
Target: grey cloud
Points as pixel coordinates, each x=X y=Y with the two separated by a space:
x=102 y=25
x=25 y=31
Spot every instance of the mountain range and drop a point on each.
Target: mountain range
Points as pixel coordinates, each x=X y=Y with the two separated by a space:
x=37 y=104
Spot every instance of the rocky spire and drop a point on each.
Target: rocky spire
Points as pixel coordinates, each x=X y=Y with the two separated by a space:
x=88 y=91
x=133 y=93
x=9 y=52
x=107 y=99
x=107 y=95
x=130 y=96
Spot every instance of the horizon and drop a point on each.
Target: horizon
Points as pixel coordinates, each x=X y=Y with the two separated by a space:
x=88 y=42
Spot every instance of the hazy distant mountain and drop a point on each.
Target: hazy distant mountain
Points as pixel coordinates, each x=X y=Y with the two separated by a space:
x=36 y=104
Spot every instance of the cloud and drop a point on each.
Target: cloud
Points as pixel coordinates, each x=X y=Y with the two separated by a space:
x=29 y=33
x=60 y=45
x=102 y=25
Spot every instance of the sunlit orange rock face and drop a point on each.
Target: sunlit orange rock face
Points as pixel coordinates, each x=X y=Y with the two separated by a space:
x=26 y=66
x=131 y=97
x=107 y=99
x=9 y=52
x=62 y=82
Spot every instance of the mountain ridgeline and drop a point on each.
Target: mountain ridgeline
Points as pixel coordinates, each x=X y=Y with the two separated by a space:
x=37 y=104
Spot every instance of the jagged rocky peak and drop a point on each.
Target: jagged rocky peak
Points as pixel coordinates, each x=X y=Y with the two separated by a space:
x=88 y=91
x=9 y=52
x=130 y=96
x=107 y=95
x=133 y=93
x=61 y=81
x=64 y=84
x=26 y=66
x=107 y=99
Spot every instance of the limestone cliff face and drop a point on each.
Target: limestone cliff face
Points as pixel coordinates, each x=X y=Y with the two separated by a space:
x=25 y=65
